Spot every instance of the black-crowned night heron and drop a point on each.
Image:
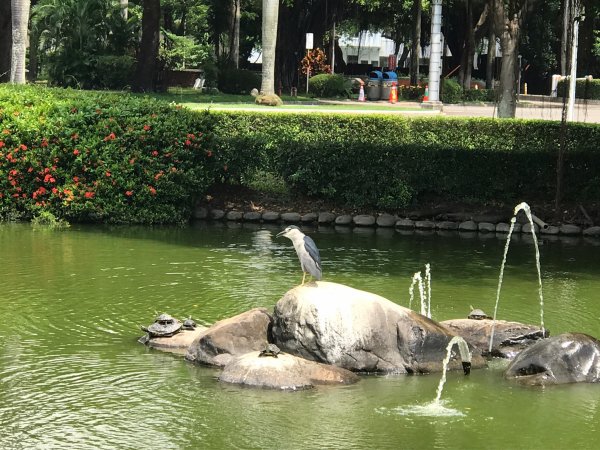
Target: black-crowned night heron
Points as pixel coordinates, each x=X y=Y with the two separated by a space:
x=307 y=251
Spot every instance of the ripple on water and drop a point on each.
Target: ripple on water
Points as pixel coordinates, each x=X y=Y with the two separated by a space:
x=433 y=409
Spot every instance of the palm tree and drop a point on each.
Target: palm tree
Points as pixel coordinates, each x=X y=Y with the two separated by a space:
x=20 y=18
x=269 y=41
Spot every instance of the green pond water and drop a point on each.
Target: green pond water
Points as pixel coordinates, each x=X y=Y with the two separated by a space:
x=73 y=376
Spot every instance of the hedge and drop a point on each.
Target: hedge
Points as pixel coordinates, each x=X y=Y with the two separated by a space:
x=586 y=89
x=100 y=157
x=118 y=158
x=388 y=162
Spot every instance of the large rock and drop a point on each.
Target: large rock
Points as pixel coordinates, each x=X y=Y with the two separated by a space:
x=283 y=372
x=510 y=338
x=566 y=358
x=231 y=337
x=359 y=331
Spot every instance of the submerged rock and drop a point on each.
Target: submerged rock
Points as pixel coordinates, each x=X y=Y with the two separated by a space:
x=231 y=337
x=359 y=331
x=283 y=372
x=566 y=358
x=510 y=338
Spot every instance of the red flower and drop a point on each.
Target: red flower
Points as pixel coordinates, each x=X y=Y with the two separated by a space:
x=30 y=169
x=110 y=137
x=107 y=173
x=146 y=127
x=44 y=143
x=191 y=136
x=188 y=142
x=23 y=147
x=152 y=190
x=5 y=131
x=132 y=161
x=89 y=194
x=158 y=175
x=209 y=153
x=48 y=178
x=76 y=152
x=76 y=179
x=54 y=191
x=128 y=193
x=75 y=136
x=2 y=144
x=155 y=153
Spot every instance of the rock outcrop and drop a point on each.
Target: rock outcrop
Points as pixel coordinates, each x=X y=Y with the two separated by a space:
x=510 y=338
x=244 y=333
x=178 y=343
x=566 y=358
x=283 y=372
x=360 y=331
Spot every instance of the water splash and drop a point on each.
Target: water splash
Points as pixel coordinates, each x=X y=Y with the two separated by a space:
x=424 y=291
x=465 y=356
x=527 y=210
x=437 y=408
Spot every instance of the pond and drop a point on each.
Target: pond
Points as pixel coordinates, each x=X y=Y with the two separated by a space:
x=73 y=376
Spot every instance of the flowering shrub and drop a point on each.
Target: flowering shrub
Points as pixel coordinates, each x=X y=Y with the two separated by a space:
x=101 y=157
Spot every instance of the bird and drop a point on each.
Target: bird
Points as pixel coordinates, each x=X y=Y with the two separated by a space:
x=307 y=251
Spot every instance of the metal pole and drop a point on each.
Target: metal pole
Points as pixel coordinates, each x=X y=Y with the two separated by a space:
x=435 y=57
x=573 y=75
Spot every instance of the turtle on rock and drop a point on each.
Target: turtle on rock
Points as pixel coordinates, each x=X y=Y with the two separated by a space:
x=477 y=314
x=270 y=350
x=164 y=326
x=189 y=324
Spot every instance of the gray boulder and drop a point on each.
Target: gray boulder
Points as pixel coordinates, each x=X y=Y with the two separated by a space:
x=335 y=324
x=510 y=338
x=283 y=372
x=566 y=358
x=231 y=337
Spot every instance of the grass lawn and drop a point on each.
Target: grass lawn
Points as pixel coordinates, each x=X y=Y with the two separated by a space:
x=354 y=106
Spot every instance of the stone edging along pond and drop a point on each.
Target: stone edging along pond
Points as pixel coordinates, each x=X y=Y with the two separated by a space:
x=482 y=225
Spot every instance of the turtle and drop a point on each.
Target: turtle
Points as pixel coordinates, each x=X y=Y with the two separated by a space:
x=189 y=324
x=270 y=350
x=163 y=326
x=477 y=314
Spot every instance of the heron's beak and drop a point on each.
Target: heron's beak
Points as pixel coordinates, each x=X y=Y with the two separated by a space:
x=280 y=234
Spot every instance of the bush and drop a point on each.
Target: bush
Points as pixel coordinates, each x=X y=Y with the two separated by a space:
x=389 y=162
x=412 y=93
x=101 y=157
x=586 y=89
x=114 y=72
x=238 y=81
x=479 y=95
x=452 y=92
x=328 y=85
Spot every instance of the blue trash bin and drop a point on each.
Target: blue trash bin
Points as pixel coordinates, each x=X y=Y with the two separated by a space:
x=374 y=85
x=389 y=78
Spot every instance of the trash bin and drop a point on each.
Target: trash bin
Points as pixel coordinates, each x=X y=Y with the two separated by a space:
x=374 y=85
x=389 y=78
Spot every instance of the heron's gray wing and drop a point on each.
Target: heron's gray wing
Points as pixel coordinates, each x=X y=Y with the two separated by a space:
x=312 y=250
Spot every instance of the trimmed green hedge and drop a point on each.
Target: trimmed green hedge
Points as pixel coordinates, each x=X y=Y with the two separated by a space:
x=586 y=89
x=88 y=156
x=389 y=161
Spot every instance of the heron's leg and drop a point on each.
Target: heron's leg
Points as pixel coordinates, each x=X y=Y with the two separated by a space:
x=303 y=277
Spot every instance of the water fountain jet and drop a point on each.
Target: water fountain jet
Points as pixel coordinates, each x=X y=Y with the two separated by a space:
x=527 y=210
x=465 y=356
x=424 y=291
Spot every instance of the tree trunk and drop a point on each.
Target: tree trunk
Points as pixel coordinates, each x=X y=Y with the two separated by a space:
x=34 y=43
x=145 y=77
x=269 y=40
x=415 y=51
x=124 y=8
x=5 y=40
x=508 y=23
x=491 y=59
x=564 y=41
x=20 y=19
x=234 y=51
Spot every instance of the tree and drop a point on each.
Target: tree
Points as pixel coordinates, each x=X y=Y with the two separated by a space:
x=269 y=41
x=509 y=17
x=20 y=19
x=5 y=40
x=147 y=64
x=415 y=51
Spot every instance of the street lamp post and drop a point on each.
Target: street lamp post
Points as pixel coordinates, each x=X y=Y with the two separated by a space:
x=435 y=57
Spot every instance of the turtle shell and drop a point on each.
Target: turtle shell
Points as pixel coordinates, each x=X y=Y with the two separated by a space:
x=164 y=326
x=189 y=324
x=270 y=350
x=477 y=314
